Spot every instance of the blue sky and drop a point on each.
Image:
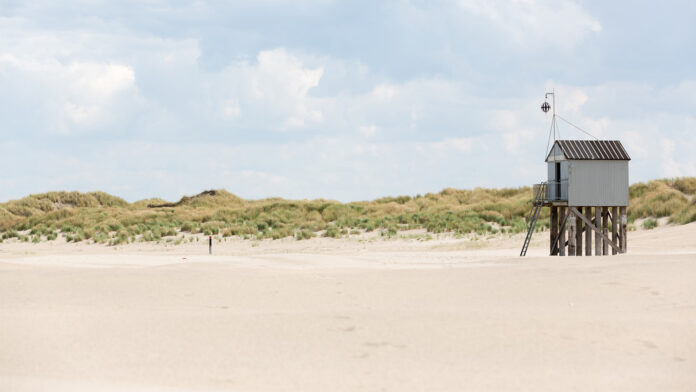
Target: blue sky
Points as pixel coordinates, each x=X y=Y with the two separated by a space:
x=346 y=100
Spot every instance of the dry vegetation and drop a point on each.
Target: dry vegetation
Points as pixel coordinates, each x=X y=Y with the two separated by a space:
x=673 y=198
x=102 y=218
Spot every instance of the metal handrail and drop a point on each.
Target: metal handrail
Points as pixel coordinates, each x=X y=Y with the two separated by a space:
x=539 y=193
x=552 y=191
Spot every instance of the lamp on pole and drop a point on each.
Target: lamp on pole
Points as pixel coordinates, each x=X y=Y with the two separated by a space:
x=545 y=108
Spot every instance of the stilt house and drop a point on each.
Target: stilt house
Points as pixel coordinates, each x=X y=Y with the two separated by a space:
x=586 y=189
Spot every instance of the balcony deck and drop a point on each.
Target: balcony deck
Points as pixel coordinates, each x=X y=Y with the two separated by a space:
x=555 y=203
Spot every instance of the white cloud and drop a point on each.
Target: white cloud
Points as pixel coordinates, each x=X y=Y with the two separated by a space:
x=368 y=130
x=276 y=86
x=384 y=92
x=73 y=96
x=535 y=23
x=673 y=163
x=101 y=80
x=460 y=144
x=516 y=141
x=230 y=109
x=572 y=102
x=90 y=90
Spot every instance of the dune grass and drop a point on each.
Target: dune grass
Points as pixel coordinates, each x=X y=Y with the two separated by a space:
x=674 y=198
x=102 y=218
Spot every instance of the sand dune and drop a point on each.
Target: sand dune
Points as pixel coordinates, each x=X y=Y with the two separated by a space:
x=349 y=315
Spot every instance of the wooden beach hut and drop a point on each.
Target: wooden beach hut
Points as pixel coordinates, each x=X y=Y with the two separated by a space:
x=587 y=192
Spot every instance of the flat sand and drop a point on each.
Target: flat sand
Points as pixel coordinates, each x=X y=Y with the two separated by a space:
x=349 y=315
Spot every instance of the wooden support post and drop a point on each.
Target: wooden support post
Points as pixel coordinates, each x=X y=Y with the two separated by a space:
x=624 y=221
x=597 y=236
x=578 y=234
x=553 y=229
x=562 y=240
x=588 y=232
x=591 y=226
x=605 y=230
x=614 y=228
x=572 y=233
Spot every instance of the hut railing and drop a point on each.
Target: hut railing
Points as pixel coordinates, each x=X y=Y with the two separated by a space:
x=550 y=191
x=539 y=192
x=557 y=190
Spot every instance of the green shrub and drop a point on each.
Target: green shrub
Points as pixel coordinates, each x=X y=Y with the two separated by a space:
x=303 y=235
x=10 y=234
x=388 y=232
x=188 y=227
x=649 y=224
x=122 y=236
x=281 y=232
x=332 y=232
x=113 y=225
x=148 y=236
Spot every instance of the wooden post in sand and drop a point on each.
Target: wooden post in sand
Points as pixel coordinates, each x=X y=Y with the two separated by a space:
x=614 y=227
x=578 y=234
x=597 y=237
x=588 y=232
x=553 y=228
x=571 y=233
x=605 y=230
x=624 y=221
x=562 y=239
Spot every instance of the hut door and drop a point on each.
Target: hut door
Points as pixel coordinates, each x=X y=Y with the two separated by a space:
x=558 y=180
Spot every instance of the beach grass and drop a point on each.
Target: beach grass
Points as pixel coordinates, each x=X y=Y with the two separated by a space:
x=106 y=219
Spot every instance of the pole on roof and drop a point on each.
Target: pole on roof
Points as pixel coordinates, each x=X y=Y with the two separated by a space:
x=545 y=108
x=553 y=111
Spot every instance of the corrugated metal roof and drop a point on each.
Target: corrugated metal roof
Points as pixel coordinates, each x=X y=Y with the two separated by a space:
x=605 y=150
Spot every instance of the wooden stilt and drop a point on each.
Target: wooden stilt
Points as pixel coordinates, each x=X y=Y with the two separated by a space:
x=562 y=239
x=588 y=232
x=572 y=234
x=578 y=234
x=591 y=226
x=553 y=229
x=614 y=227
x=624 y=222
x=605 y=230
x=597 y=237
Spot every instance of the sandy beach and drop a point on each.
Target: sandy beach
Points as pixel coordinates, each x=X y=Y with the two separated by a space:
x=349 y=315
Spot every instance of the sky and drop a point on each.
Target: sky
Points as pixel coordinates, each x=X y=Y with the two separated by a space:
x=343 y=100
